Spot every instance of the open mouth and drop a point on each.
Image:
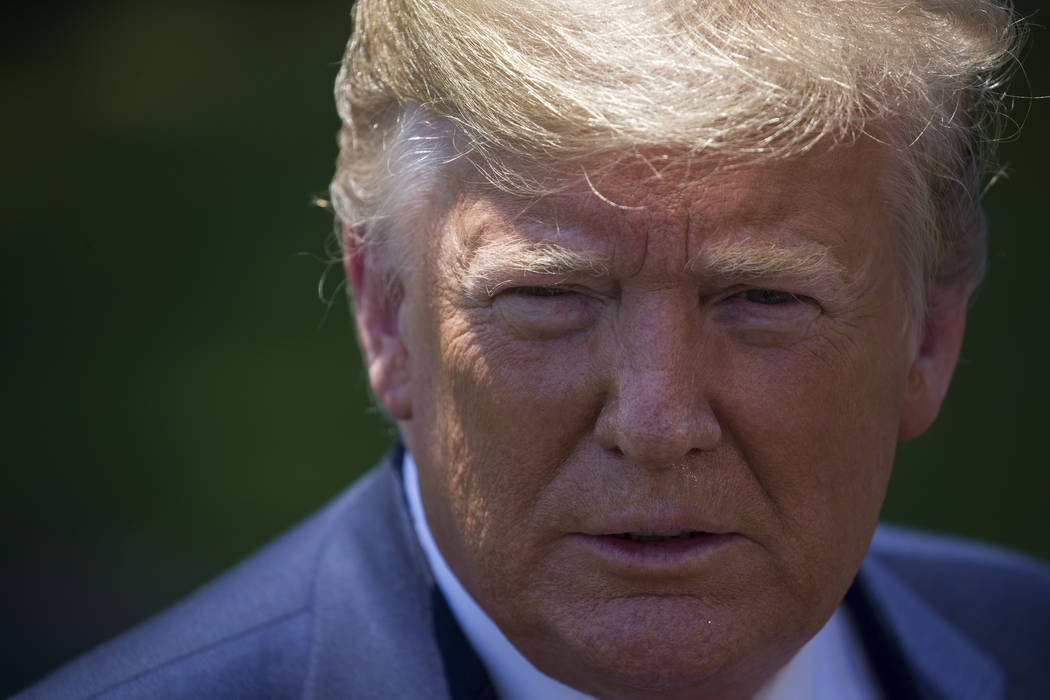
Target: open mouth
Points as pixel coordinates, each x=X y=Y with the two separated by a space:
x=658 y=537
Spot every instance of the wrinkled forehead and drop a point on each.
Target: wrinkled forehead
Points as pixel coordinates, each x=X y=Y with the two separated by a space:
x=831 y=198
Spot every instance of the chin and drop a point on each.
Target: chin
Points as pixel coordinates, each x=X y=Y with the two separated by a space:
x=668 y=646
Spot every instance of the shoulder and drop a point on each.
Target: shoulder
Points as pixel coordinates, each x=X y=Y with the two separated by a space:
x=996 y=600
x=248 y=633
x=979 y=585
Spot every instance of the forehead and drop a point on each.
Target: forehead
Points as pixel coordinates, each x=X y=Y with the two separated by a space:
x=630 y=209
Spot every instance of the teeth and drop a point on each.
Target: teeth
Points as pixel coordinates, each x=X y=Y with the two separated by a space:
x=652 y=537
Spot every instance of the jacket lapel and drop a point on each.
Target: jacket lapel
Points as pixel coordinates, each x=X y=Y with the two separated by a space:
x=915 y=651
x=381 y=627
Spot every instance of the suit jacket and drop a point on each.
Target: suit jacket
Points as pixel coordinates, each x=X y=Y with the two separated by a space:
x=344 y=605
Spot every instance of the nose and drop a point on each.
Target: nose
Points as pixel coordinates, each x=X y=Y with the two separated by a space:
x=656 y=412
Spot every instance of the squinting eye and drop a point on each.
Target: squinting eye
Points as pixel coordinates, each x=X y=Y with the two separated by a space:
x=769 y=297
x=540 y=291
x=762 y=317
x=545 y=312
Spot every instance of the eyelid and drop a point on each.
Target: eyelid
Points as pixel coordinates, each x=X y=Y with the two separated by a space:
x=580 y=284
x=511 y=286
x=790 y=297
x=539 y=316
x=798 y=289
x=532 y=289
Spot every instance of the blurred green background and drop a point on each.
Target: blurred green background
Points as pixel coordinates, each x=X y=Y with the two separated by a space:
x=183 y=382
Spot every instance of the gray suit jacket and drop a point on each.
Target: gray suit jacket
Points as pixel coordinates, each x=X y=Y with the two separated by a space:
x=344 y=606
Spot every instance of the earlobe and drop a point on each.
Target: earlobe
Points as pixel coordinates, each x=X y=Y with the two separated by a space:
x=376 y=304
x=934 y=363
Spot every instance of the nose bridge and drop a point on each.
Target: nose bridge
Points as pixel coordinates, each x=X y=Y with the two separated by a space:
x=658 y=348
x=656 y=372
x=657 y=410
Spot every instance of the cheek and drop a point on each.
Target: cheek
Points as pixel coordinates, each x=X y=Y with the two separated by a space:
x=503 y=394
x=817 y=427
x=507 y=415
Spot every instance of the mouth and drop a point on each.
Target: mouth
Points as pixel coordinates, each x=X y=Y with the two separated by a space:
x=659 y=537
x=657 y=551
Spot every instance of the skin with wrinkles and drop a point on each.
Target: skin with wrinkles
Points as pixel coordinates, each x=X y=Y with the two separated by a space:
x=720 y=354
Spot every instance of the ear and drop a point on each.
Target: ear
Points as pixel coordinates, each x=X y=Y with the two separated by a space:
x=934 y=362
x=377 y=305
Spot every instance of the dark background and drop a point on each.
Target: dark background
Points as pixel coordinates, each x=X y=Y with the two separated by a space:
x=176 y=389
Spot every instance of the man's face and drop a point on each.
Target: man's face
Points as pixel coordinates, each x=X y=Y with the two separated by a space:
x=654 y=438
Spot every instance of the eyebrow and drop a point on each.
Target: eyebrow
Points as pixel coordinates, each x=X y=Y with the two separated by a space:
x=491 y=262
x=749 y=259
x=491 y=265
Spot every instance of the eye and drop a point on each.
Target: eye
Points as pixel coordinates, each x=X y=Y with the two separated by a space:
x=766 y=317
x=544 y=312
x=769 y=297
x=539 y=291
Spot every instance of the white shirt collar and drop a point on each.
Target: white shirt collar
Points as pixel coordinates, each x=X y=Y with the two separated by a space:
x=831 y=666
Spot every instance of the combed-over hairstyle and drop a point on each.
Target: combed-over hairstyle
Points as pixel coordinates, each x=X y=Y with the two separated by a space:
x=518 y=90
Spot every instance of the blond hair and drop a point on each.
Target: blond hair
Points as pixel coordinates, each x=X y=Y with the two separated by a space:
x=516 y=90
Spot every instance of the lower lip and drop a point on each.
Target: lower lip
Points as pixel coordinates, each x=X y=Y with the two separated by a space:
x=657 y=555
